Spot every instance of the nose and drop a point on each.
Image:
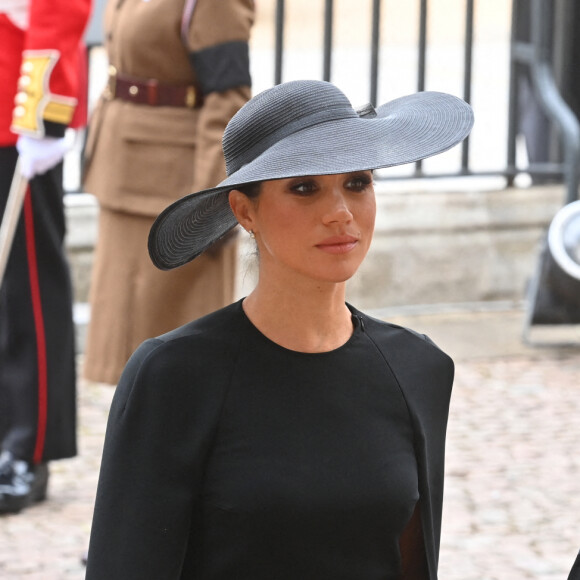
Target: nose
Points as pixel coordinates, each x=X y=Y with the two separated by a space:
x=337 y=209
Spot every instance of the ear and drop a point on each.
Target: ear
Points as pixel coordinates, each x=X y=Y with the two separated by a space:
x=243 y=209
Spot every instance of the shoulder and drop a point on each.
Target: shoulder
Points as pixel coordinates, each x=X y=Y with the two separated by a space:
x=423 y=371
x=218 y=328
x=400 y=339
x=195 y=357
x=214 y=23
x=203 y=340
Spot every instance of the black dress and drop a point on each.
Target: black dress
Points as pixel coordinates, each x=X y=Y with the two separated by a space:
x=228 y=457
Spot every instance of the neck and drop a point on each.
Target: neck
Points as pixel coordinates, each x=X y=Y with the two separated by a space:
x=309 y=317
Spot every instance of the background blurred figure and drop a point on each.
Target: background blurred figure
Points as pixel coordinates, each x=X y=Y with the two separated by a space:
x=41 y=82
x=178 y=74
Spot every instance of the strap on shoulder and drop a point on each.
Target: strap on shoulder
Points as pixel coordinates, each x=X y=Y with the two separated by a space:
x=188 y=8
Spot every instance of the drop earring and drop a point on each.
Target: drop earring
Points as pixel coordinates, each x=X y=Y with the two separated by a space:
x=252 y=236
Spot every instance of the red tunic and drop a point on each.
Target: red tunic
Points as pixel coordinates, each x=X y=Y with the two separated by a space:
x=42 y=69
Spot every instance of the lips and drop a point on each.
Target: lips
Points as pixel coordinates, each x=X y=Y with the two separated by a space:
x=338 y=244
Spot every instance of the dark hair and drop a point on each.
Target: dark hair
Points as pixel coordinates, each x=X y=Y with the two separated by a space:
x=251 y=190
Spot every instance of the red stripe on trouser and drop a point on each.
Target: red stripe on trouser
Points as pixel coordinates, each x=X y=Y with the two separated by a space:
x=39 y=327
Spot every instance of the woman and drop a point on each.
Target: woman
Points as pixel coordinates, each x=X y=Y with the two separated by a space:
x=287 y=436
x=179 y=71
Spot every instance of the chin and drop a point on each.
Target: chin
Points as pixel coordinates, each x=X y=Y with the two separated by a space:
x=328 y=271
x=337 y=277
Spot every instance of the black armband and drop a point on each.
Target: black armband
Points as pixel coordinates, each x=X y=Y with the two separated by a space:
x=222 y=67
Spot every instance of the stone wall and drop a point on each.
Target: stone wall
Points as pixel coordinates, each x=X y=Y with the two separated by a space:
x=454 y=247
x=429 y=247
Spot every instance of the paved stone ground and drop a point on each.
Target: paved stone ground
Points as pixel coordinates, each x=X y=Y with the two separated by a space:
x=512 y=506
x=513 y=485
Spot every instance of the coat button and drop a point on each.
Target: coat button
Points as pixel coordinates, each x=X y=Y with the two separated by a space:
x=24 y=81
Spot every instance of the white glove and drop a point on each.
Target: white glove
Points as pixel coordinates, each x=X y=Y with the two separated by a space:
x=37 y=156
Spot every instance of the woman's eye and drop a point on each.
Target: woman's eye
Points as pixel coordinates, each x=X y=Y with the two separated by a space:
x=359 y=183
x=303 y=187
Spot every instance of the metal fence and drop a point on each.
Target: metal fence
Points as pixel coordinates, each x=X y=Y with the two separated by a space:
x=529 y=57
x=374 y=64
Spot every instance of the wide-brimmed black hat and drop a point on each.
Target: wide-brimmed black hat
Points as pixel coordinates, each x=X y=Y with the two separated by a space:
x=306 y=128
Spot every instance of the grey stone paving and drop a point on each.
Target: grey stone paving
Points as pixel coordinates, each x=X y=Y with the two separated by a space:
x=512 y=493
x=512 y=505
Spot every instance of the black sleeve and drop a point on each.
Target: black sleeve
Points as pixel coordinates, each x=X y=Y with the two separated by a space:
x=575 y=572
x=425 y=375
x=54 y=129
x=159 y=431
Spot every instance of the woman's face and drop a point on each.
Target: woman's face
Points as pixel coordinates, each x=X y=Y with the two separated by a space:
x=319 y=227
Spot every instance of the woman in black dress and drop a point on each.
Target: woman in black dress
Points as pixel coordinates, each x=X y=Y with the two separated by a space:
x=288 y=436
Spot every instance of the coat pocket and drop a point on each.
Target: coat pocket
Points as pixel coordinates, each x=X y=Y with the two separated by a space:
x=157 y=151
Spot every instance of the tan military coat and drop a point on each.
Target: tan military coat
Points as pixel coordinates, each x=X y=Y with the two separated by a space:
x=140 y=158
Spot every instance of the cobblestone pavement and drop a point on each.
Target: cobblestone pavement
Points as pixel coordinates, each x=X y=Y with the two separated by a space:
x=512 y=505
x=513 y=470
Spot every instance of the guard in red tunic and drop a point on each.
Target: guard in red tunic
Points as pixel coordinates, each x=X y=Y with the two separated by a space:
x=41 y=83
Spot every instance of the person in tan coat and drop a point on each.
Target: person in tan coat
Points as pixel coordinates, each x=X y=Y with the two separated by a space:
x=178 y=72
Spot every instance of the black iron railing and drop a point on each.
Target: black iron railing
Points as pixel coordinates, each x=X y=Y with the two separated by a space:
x=531 y=56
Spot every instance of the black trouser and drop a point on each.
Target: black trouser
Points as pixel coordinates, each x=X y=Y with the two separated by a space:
x=37 y=348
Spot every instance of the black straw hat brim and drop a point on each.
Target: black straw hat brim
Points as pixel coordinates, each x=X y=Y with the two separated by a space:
x=403 y=131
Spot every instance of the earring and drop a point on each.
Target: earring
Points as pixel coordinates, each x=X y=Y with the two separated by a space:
x=252 y=236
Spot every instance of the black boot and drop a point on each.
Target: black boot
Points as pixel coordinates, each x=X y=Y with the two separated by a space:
x=21 y=483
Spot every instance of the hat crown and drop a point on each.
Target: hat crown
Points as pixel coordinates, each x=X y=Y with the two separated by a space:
x=277 y=113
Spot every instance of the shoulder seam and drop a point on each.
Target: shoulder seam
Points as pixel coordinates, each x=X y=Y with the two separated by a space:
x=410 y=331
x=401 y=390
x=224 y=397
